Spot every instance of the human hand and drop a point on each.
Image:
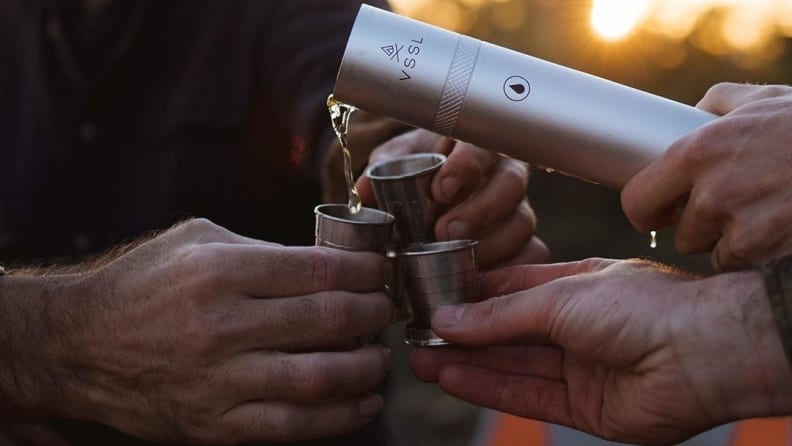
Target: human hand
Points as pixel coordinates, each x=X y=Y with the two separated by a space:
x=731 y=176
x=625 y=350
x=485 y=195
x=203 y=336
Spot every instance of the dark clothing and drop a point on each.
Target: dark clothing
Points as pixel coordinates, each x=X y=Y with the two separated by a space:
x=128 y=120
x=211 y=108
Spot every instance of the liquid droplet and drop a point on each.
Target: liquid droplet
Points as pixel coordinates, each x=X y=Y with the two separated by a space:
x=653 y=242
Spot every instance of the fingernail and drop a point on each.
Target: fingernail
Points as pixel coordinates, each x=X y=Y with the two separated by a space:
x=370 y=406
x=448 y=315
x=457 y=229
x=450 y=187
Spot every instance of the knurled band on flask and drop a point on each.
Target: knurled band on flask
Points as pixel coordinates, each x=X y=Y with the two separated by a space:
x=456 y=85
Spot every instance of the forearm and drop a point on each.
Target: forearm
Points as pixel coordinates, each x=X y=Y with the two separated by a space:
x=32 y=384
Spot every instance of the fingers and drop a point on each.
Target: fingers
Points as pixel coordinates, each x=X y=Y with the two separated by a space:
x=495 y=201
x=650 y=198
x=306 y=377
x=329 y=318
x=525 y=396
x=462 y=173
x=698 y=227
x=522 y=277
x=507 y=239
x=519 y=317
x=275 y=271
x=497 y=321
x=726 y=97
x=538 y=361
x=280 y=421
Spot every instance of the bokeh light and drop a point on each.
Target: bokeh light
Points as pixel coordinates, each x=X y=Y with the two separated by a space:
x=749 y=30
x=614 y=19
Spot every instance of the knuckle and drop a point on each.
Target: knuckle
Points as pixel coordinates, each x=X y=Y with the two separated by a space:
x=322 y=270
x=336 y=316
x=739 y=249
x=285 y=424
x=317 y=383
x=772 y=91
x=594 y=264
x=692 y=150
x=491 y=309
x=707 y=202
x=515 y=172
x=198 y=226
x=205 y=266
x=526 y=215
x=719 y=89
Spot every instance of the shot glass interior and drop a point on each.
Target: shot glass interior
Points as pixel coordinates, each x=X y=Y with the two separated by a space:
x=406 y=166
x=341 y=213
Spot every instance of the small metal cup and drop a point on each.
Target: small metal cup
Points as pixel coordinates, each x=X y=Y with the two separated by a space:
x=402 y=187
x=436 y=274
x=367 y=230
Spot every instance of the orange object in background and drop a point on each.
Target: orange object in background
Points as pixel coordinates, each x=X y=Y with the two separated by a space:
x=500 y=429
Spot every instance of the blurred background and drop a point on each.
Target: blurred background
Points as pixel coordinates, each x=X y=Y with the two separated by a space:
x=673 y=48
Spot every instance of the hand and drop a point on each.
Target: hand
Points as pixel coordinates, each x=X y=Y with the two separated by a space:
x=201 y=335
x=485 y=194
x=730 y=178
x=625 y=350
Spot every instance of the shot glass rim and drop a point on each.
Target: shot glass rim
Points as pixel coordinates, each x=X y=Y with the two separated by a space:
x=439 y=156
x=318 y=211
x=420 y=248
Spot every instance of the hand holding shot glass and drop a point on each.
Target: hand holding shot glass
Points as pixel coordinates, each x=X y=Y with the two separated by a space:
x=432 y=273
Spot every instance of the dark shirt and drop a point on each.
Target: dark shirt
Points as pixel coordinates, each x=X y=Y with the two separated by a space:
x=129 y=120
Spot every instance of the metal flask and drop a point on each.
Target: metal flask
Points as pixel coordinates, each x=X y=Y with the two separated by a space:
x=499 y=99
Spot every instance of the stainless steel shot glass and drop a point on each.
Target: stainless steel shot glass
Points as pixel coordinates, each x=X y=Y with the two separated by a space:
x=436 y=274
x=368 y=230
x=402 y=187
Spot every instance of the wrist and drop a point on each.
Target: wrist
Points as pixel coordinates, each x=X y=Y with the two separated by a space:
x=34 y=384
x=751 y=376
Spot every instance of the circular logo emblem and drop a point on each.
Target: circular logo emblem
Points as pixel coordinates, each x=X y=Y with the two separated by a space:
x=516 y=88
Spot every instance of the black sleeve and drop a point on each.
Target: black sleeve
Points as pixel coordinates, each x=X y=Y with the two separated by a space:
x=306 y=43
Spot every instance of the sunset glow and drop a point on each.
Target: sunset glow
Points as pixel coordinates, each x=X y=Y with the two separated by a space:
x=614 y=19
x=744 y=27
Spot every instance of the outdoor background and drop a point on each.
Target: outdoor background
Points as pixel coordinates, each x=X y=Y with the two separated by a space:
x=674 y=48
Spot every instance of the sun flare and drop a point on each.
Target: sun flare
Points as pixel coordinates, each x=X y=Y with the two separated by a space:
x=614 y=19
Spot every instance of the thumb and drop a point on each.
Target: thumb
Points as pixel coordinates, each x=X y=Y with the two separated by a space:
x=528 y=314
x=501 y=320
